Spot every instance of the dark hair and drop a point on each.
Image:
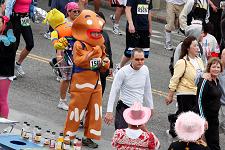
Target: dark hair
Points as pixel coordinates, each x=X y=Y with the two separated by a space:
x=139 y=50
x=212 y=61
x=101 y=15
x=186 y=45
x=207 y=28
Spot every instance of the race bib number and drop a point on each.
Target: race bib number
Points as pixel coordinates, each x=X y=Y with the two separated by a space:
x=25 y=21
x=94 y=63
x=142 y=9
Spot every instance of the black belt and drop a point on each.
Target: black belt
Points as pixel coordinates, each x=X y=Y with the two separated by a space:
x=20 y=14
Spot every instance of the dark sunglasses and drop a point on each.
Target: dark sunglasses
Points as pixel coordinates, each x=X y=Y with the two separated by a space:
x=75 y=11
x=139 y=59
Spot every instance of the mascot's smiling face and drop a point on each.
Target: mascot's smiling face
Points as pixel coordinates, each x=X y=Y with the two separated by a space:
x=87 y=27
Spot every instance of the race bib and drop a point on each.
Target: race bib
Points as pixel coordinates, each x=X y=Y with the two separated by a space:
x=25 y=21
x=142 y=9
x=94 y=63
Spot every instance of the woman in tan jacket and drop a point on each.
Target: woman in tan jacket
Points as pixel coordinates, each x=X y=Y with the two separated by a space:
x=183 y=80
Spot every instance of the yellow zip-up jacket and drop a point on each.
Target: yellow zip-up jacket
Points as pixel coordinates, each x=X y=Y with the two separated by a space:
x=184 y=76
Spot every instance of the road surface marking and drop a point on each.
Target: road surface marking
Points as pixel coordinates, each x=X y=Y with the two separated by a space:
x=46 y=60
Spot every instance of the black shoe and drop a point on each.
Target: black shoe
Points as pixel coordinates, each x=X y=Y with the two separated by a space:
x=81 y=124
x=89 y=143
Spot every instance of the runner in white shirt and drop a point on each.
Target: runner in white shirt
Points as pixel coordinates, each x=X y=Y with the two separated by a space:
x=134 y=84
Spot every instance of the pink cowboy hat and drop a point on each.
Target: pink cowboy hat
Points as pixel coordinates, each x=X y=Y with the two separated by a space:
x=189 y=126
x=71 y=6
x=137 y=114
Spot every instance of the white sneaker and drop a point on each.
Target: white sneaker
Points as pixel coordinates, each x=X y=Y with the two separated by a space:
x=47 y=35
x=112 y=18
x=116 y=29
x=19 y=70
x=117 y=68
x=63 y=105
x=169 y=47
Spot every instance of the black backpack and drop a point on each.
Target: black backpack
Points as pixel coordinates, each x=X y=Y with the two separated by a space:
x=171 y=67
x=190 y=15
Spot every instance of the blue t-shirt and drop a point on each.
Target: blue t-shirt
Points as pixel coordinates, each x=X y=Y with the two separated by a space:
x=139 y=11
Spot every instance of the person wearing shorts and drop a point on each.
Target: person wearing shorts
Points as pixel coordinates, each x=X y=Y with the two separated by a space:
x=173 y=9
x=138 y=29
x=115 y=18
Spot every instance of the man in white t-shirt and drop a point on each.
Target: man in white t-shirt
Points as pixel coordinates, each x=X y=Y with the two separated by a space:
x=134 y=84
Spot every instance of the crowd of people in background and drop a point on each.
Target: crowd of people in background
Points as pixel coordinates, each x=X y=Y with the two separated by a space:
x=84 y=60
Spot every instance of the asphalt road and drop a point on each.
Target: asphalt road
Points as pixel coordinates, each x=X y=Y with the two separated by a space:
x=34 y=97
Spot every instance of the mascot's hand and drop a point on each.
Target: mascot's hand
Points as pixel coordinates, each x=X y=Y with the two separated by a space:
x=97 y=48
x=61 y=44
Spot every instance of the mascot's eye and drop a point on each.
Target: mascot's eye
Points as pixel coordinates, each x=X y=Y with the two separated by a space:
x=89 y=22
x=101 y=23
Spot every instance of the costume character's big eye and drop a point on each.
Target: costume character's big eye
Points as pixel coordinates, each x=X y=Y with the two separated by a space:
x=89 y=22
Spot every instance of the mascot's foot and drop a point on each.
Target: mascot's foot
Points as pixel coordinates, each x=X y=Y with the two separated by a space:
x=89 y=143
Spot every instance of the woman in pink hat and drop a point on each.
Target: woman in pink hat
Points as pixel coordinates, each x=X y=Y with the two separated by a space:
x=189 y=128
x=73 y=11
x=136 y=136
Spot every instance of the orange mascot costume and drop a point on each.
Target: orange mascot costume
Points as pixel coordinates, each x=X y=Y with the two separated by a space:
x=90 y=59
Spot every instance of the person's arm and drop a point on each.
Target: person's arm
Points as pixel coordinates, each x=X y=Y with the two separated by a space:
x=201 y=96
x=108 y=48
x=148 y=93
x=215 y=48
x=179 y=70
x=207 y=15
x=212 y=5
x=177 y=54
x=185 y=11
x=150 y=22
x=116 y=85
x=9 y=7
x=54 y=4
x=150 y=17
x=131 y=27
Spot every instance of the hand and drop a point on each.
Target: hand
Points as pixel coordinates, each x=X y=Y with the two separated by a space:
x=143 y=127
x=150 y=31
x=61 y=44
x=206 y=126
x=152 y=112
x=106 y=60
x=131 y=28
x=207 y=76
x=214 y=8
x=168 y=100
x=97 y=48
x=108 y=118
x=110 y=72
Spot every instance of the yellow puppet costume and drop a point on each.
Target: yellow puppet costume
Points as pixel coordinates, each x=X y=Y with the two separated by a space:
x=62 y=29
x=62 y=39
x=89 y=58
